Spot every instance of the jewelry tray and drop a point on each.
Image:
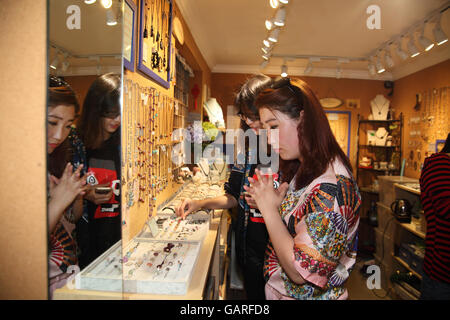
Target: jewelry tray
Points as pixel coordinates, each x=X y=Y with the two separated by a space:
x=140 y=268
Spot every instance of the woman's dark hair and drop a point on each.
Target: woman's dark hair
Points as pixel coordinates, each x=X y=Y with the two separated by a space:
x=60 y=93
x=102 y=100
x=317 y=144
x=245 y=98
x=446 y=147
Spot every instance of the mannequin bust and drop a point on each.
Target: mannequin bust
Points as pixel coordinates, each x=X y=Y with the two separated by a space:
x=380 y=107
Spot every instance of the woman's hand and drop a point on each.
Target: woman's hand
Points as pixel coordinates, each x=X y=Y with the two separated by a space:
x=186 y=207
x=267 y=198
x=98 y=198
x=63 y=191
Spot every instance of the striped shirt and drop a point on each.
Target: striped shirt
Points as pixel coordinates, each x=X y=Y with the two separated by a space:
x=435 y=197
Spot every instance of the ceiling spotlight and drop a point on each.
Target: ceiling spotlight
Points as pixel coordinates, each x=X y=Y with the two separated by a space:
x=89 y=1
x=65 y=65
x=280 y=17
x=106 y=4
x=274 y=3
x=284 y=1
x=371 y=67
x=110 y=18
x=266 y=56
x=388 y=59
x=284 y=71
x=269 y=24
x=266 y=43
x=413 y=51
x=439 y=35
x=266 y=50
x=402 y=54
x=379 y=66
x=54 y=63
x=338 y=71
x=308 y=68
x=425 y=42
x=274 y=35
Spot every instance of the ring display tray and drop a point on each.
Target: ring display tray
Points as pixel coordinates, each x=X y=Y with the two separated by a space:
x=104 y=273
x=159 y=267
x=149 y=266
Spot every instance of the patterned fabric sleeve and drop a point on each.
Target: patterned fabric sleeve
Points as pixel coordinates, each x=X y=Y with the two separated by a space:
x=325 y=240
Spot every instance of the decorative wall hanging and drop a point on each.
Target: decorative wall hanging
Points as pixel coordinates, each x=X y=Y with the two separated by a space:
x=129 y=25
x=155 y=41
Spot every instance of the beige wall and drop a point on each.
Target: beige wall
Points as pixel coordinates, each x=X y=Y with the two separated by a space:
x=23 y=227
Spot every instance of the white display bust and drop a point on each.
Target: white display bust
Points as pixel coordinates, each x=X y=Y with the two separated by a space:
x=380 y=107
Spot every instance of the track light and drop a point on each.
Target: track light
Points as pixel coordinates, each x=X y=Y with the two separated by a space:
x=266 y=43
x=402 y=54
x=439 y=36
x=425 y=42
x=388 y=59
x=308 y=68
x=371 y=68
x=284 y=71
x=274 y=35
x=280 y=17
x=269 y=24
x=266 y=50
x=284 y=1
x=55 y=63
x=266 y=56
x=274 y=3
x=413 y=51
x=89 y=1
x=379 y=66
x=110 y=18
x=106 y=4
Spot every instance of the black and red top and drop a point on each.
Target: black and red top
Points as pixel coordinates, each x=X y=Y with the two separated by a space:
x=435 y=197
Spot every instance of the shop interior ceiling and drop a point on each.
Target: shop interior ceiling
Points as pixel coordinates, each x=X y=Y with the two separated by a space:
x=94 y=48
x=230 y=35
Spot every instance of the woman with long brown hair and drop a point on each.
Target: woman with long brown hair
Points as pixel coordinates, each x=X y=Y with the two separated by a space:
x=99 y=128
x=312 y=218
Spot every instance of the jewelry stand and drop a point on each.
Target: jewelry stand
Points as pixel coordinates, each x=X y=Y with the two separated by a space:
x=380 y=107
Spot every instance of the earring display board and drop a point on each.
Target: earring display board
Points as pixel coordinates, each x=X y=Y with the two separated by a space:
x=155 y=37
x=427 y=124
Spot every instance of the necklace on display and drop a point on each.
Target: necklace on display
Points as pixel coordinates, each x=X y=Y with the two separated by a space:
x=378 y=108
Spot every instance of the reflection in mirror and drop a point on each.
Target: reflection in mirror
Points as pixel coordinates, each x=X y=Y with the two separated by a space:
x=83 y=135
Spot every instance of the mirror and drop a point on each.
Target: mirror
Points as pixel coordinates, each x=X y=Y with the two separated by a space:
x=83 y=134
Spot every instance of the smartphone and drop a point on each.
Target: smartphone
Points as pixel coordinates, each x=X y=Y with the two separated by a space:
x=103 y=190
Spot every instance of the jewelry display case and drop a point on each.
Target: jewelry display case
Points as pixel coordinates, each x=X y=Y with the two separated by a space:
x=147 y=266
x=169 y=227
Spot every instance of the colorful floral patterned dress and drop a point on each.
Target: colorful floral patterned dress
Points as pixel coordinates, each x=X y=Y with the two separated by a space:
x=323 y=219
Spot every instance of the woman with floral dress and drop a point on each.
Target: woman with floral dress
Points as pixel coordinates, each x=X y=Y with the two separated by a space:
x=312 y=218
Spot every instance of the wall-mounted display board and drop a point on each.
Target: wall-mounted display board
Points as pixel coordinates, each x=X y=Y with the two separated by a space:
x=155 y=37
x=129 y=25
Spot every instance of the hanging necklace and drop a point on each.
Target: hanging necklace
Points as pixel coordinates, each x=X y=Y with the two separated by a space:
x=378 y=108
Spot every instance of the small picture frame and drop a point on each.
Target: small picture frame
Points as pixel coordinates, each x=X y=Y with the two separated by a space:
x=147 y=47
x=129 y=25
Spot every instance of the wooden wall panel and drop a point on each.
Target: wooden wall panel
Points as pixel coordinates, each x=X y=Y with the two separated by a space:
x=23 y=231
